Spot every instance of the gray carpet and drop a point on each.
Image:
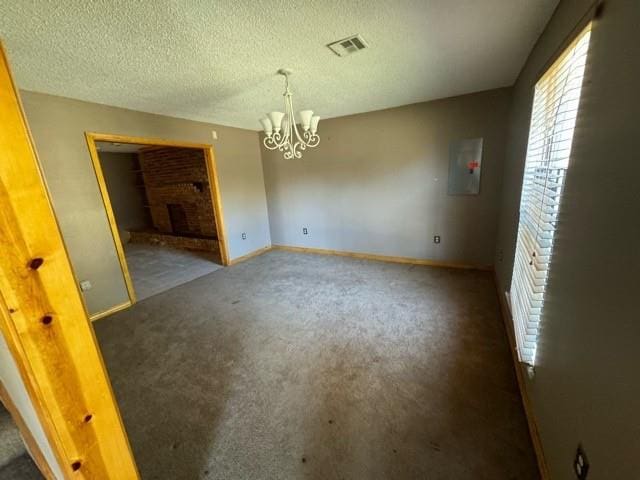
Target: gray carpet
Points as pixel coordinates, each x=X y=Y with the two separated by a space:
x=15 y=462
x=295 y=366
x=20 y=468
x=157 y=268
x=11 y=444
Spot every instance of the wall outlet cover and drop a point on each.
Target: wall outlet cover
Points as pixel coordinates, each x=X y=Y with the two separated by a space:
x=436 y=239
x=244 y=236
x=85 y=285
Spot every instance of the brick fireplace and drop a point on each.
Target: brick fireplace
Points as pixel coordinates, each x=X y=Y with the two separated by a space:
x=179 y=200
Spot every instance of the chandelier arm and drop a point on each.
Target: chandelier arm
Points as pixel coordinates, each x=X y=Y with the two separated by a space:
x=295 y=127
x=274 y=141
x=298 y=143
x=268 y=143
x=312 y=139
x=288 y=109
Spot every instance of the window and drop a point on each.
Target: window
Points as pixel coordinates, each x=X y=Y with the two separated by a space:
x=553 y=119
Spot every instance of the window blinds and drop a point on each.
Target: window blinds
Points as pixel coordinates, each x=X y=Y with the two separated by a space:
x=553 y=119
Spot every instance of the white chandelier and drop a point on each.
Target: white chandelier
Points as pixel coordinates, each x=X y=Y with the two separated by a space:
x=280 y=128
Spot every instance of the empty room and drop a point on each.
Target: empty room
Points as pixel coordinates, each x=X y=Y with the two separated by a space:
x=319 y=240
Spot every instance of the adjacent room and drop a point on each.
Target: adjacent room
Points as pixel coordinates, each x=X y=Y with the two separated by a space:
x=161 y=204
x=320 y=240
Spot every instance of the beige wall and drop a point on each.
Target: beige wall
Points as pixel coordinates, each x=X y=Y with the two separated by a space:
x=127 y=197
x=377 y=183
x=586 y=385
x=58 y=125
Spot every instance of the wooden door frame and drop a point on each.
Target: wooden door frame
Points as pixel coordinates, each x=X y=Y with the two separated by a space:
x=214 y=190
x=43 y=318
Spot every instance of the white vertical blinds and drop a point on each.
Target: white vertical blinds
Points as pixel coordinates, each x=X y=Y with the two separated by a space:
x=553 y=119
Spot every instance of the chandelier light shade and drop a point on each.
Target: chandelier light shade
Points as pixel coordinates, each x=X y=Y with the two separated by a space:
x=305 y=118
x=281 y=131
x=267 y=126
x=276 y=120
x=314 y=123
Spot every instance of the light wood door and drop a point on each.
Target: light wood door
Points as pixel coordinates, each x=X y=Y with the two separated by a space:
x=43 y=318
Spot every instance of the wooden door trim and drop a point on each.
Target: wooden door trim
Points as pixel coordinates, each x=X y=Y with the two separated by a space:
x=214 y=190
x=43 y=317
x=111 y=218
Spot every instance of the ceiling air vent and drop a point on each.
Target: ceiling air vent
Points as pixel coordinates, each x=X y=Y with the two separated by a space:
x=348 y=45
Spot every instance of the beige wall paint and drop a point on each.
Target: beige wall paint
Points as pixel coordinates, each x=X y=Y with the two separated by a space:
x=58 y=125
x=128 y=198
x=585 y=387
x=377 y=183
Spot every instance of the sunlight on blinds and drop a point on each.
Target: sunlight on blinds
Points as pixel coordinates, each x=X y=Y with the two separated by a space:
x=553 y=119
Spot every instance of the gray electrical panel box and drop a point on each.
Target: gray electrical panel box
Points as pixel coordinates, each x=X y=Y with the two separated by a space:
x=465 y=163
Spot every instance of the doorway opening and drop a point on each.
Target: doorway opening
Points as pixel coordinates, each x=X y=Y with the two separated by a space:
x=163 y=204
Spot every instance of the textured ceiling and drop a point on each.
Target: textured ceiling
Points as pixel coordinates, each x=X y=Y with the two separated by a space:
x=216 y=60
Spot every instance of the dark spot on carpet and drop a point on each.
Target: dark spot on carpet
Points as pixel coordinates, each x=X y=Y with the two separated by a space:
x=330 y=421
x=304 y=459
x=434 y=446
x=235 y=302
x=395 y=451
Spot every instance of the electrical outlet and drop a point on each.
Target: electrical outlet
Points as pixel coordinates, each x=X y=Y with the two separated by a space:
x=581 y=464
x=85 y=285
x=214 y=134
x=436 y=239
x=244 y=236
x=305 y=231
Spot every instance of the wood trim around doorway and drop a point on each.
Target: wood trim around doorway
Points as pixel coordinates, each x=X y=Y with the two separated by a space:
x=43 y=318
x=214 y=188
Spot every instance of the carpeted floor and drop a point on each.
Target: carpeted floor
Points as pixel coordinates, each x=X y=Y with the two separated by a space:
x=156 y=268
x=15 y=462
x=296 y=366
x=11 y=444
x=20 y=468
